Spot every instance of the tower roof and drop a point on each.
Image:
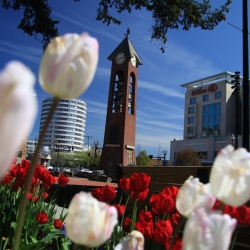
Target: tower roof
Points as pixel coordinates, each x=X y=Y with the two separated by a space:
x=127 y=48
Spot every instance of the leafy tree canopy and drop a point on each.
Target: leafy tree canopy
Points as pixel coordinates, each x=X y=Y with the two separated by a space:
x=166 y=14
x=187 y=157
x=142 y=159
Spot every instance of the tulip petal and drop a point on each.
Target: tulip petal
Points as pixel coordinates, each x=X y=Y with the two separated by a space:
x=209 y=230
x=18 y=110
x=230 y=176
x=192 y=195
x=89 y=222
x=68 y=65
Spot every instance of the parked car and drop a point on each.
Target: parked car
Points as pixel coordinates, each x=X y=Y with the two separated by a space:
x=86 y=170
x=66 y=170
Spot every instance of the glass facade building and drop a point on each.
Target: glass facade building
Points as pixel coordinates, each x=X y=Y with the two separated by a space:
x=210 y=118
x=67 y=127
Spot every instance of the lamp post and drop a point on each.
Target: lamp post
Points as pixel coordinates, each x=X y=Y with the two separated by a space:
x=164 y=153
x=96 y=147
x=232 y=139
x=159 y=157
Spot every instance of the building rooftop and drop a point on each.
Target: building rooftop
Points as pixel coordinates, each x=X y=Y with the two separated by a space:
x=210 y=79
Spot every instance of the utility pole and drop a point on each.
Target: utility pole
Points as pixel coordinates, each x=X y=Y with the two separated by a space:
x=88 y=136
x=245 y=85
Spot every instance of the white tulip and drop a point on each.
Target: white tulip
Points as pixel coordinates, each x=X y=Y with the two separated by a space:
x=68 y=65
x=18 y=110
x=89 y=222
x=230 y=176
x=192 y=195
x=133 y=241
x=208 y=230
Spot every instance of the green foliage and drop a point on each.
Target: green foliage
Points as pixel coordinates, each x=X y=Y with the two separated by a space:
x=36 y=18
x=166 y=14
x=64 y=159
x=142 y=159
x=187 y=157
x=77 y=159
x=9 y=206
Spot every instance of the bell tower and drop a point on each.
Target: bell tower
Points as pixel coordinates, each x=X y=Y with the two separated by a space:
x=119 y=135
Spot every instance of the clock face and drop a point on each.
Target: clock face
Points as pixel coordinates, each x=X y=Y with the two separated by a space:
x=133 y=60
x=120 y=58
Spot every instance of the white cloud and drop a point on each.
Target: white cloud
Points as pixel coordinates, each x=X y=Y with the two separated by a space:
x=159 y=88
x=90 y=26
x=28 y=53
x=193 y=65
x=104 y=72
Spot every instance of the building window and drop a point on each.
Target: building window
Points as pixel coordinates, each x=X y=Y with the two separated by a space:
x=217 y=106
x=190 y=110
x=193 y=100
x=216 y=118
x=205 y=98
x=191 y=119
x=190 y=130
x=211 y=119
x=218 y=95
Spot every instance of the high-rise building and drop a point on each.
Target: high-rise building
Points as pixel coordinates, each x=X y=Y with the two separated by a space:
x=67 y=127
x=210 y=121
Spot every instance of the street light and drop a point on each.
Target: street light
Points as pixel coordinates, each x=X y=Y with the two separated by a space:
x=232 y=139
x=96 y=147
x=159 y=157
x=164 y=153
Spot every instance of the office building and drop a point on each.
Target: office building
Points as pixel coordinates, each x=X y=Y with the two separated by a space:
x=209 y=117
x=31 y=146
x=67 y=127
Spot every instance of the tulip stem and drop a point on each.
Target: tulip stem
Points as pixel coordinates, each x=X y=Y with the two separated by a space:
x=234 y=237
x=134 y=214
x=25 y=191
x=177 y=229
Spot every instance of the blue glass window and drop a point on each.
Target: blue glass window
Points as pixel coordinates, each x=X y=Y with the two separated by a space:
x=205 y=98
x=193 y=100
x=190 y=130
x=218 y=95
x=191 y=119
x=190 y=110
x=211 y=119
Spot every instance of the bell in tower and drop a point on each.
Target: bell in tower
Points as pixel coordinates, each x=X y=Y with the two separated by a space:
x=119 y=135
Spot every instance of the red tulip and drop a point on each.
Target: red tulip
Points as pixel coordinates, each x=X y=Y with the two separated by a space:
x=107 y=194
x=124 y=183
x=63 y=180
x=140 y=196
x=58 y=224
x=139 y=182
x=120 y=209
x=163 y=231
x=42 y=218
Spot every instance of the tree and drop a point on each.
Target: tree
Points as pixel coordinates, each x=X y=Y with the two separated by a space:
x=166 y=14
x=36 y=18
x=64 y=159
x=187 y=157
x=142 y=159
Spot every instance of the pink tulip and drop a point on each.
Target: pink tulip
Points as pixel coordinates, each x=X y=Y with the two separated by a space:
x=68 y=65
x=89 y=222
x=18 y=110
x=192 y=195
x=207 y=229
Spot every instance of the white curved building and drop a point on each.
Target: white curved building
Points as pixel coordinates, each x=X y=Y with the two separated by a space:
x=67 y=127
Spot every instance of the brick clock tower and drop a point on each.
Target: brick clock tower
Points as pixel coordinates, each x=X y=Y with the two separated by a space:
x=119 y=136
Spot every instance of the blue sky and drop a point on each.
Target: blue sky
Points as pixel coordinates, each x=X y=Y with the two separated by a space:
x=190 y=55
